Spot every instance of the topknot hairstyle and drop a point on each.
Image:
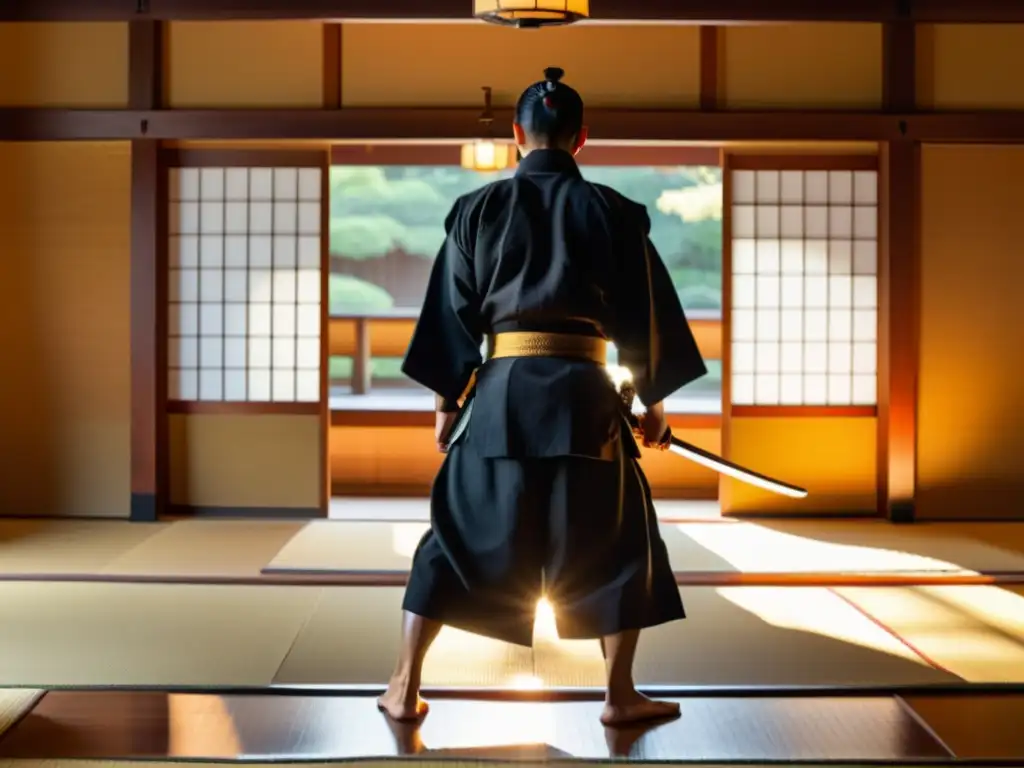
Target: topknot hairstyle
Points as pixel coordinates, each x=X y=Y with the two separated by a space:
x=550 y=111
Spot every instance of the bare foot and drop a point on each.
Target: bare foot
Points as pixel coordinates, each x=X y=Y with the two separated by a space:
x=402 y=704
x=636 y=708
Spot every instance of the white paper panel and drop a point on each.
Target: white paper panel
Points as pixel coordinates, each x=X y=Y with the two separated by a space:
x=307 y=386
x=767 y=187
x=791 y=185
x=245 y=272
x=805 y=290
x=743 y=184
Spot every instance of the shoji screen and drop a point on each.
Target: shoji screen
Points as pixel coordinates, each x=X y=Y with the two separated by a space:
x=246 y=278
x=246 y=344
x=803 y=242
x=801 y=296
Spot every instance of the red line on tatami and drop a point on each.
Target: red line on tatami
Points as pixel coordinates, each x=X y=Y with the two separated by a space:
x=896 y=635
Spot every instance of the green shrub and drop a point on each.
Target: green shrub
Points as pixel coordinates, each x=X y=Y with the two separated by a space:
x=350 y=295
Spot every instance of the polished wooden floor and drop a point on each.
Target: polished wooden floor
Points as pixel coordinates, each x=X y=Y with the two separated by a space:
x=146 y=725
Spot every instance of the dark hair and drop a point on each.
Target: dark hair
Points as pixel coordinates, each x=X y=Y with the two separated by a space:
x=550 y=111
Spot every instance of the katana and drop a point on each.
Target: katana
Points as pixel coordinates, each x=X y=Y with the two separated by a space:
x=623 y=381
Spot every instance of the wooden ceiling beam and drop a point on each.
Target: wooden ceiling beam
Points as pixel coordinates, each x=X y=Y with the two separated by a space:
x=619 y=11
x=458 y=124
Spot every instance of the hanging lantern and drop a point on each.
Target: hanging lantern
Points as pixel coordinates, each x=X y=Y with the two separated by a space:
x=531 y=13
x=485 y=154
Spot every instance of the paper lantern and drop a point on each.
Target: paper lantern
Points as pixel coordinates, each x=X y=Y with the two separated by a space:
x=531 y=13
x=486 y=155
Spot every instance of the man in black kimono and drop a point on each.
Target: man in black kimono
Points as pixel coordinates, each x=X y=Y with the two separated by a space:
x=541 y=491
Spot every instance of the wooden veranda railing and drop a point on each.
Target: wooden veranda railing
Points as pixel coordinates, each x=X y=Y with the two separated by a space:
x=387 y=334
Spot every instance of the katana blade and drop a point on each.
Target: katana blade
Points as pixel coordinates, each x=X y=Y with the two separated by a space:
x=735 y=471
x=623 y=381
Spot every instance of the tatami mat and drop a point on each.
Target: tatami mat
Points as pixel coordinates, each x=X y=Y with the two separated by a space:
x=976 y=633
x=333 y=546
x=143 y=634
x=878 y=545
x=57 y=634
x=353 y=638
x=754 y=636
x=803 y=547
x=734 y=637
x=15 y=703
x=387 y=548
x=197 y=548
x=67 y=546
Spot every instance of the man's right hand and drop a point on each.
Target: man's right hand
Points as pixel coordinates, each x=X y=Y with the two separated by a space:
x=444 y=421
x=654 y=425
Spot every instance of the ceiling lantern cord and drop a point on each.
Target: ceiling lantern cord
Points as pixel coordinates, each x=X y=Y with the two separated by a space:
x=486 y=154
x=531 y=14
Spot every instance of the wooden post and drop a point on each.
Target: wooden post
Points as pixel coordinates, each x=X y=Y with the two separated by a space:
x=899 y=286
x=149 y=445
x=361 y=361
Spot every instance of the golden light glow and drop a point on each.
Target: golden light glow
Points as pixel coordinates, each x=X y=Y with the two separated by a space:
x=544 y=626
x=531 y=13
x=619 y=375
x=486 y=155
x=526 y=683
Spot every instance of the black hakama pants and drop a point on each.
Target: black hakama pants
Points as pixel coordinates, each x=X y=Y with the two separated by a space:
x=505 y=532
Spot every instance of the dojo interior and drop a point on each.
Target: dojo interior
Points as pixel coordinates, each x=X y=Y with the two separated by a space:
x=196 y=540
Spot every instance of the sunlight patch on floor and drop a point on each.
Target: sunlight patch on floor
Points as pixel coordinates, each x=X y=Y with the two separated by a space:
x=753 y=549
x=405 y=537
x=818 y=611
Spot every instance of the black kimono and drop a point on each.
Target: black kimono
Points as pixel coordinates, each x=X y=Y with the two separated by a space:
x=543 y=493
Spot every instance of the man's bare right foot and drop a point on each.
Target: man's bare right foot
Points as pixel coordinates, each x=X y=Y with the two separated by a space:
x=401 y=704
x=636 y=708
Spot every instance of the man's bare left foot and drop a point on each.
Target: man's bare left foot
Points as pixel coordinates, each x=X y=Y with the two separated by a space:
x=401 y=704
x=636 y=708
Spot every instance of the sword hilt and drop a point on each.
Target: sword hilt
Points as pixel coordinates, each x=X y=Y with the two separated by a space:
x=627 y=393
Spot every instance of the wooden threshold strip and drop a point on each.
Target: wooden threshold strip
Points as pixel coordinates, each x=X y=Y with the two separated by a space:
x=399 y=579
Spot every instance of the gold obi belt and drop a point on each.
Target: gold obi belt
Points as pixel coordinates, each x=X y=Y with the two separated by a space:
x=538 y=344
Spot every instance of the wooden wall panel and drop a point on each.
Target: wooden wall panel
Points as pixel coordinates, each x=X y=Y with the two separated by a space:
x=245 y=461
x=970 y=66
x=814 y=66
x=64 y=65
x=65 y=399
x=970 y=419
x=447 y=64
x=833 y=457
x=244 y=64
